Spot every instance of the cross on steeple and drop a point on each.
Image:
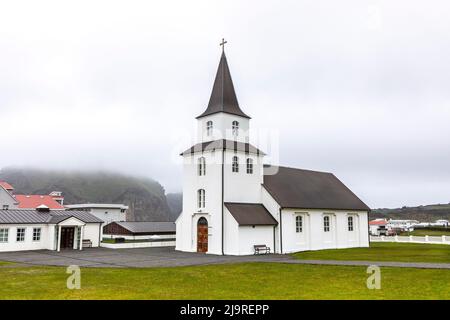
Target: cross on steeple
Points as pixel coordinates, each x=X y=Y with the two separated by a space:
x=222 y=44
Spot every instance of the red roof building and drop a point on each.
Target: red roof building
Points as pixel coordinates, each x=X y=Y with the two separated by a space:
x=6 y=186
x=34 y=201
x=378 y=222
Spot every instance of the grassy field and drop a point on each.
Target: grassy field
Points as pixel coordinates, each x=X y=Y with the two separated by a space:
x=231 y=281
x=405 y=252
x=424 y=232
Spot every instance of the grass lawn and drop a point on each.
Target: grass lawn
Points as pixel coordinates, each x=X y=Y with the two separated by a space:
x=229 y=281
x=420 y=232
x=405 y=252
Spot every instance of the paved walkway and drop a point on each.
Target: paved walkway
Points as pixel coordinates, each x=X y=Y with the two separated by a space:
x=168 y=257
x=129 y=258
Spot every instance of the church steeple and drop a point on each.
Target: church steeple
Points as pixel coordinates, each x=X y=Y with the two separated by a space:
x=223 y=97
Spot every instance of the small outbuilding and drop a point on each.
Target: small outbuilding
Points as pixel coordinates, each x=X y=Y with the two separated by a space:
x=140 y=230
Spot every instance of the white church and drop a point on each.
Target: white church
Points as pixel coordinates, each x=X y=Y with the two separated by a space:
x=234 y=204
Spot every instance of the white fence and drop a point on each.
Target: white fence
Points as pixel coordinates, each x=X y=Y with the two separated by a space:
x=130 y=245
x=413 y=239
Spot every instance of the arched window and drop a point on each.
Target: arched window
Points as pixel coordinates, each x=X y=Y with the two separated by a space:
x=326 y=223
x=201 y=166
x=209 y=128
x=298 y=224
x=235 y=127
x=249 y=166
x=350 y=223
x=235 y=164
x=201 y=198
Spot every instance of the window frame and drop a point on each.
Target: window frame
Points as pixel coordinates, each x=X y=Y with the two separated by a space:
x=201 y=198
x=350 y=224
x=22 y=238
x=298 y=224
x=235 y=164
x=249 y=165
x=37 y=234
x=201 y=169
x=326 y=224
x=4 y=235
x=209 y=127
x=235 y=128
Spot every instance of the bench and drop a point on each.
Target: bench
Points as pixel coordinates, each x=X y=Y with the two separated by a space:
x=87 y=243
x=261 y=249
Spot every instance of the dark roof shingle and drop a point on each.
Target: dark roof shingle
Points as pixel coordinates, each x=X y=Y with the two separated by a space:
x=305 y=189
x=250 y=214
x=48 y=217
x=147 y=227
x=223 y=97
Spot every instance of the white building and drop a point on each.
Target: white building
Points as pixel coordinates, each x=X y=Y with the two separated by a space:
x=232 y=202
x=106 y=212
x=7 y=201
x=404 y=225
x=48 y=229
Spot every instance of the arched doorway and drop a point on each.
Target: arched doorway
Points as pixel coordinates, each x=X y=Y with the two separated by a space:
x=202 y=235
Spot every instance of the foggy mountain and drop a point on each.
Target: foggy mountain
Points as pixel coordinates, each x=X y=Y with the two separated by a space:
x=145 y=197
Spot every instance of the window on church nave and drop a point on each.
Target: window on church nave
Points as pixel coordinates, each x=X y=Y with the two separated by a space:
x=298 y=224
x=235 y=127
x=201 y=166
x=326 y=223
x=209 y=128
x=350 y=223
x=249 y=165
x=201 y=198
x=235 y=164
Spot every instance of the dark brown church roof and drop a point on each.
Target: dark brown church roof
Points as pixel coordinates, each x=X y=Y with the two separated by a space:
x=305 y=189
x=250 y=214
x=223 y=97
x=223 y=144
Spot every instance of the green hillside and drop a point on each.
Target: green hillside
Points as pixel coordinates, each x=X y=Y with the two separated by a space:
x=145 y=197
x=428 y=213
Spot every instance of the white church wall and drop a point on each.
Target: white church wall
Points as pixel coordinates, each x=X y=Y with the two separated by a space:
x=313 y=236
x=212 y=184
x=258 y=235
x=231 y=236
x=28 y=243
x=222 y=127
x=242 y=186
x=274 y=208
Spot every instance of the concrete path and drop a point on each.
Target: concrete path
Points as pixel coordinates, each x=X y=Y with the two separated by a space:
x=129 y=258
x=168 y=257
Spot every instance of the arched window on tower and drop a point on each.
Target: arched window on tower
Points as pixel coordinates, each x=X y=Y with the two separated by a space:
x=249 y=165
x=235 y=127
x=209 y=128
x=201 y=166
x=201 y=198
x=235 y=164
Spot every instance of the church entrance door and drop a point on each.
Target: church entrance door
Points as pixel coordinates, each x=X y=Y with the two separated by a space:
x=202 y=235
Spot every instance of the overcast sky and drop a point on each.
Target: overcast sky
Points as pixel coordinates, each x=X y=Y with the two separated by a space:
x=358 y=88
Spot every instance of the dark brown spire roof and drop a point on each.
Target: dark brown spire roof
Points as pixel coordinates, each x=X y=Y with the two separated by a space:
x=223 y=97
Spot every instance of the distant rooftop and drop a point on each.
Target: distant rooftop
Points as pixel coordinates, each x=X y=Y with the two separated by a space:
x=96 y=205
x=34 y=201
